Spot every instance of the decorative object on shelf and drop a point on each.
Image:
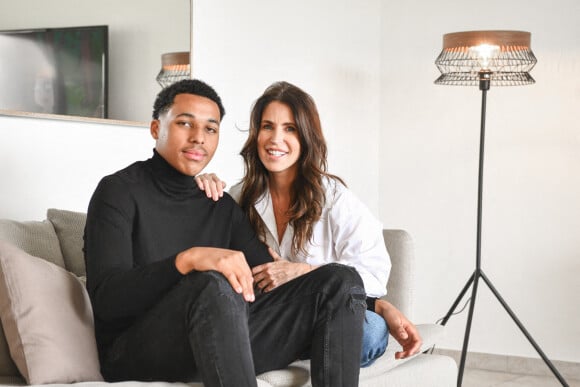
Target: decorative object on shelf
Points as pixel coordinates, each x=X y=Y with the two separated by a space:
x=485 y=58
x=174 y=67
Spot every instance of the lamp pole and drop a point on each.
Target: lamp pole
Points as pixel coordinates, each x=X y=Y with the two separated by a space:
x=484 y=84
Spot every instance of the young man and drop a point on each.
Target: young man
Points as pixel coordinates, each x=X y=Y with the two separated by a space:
x=169 y=272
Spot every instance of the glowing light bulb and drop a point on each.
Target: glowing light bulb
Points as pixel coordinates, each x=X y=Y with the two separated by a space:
x=484 y=54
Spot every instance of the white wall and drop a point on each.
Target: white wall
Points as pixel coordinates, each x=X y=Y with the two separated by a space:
x=139 y=32
x=531 y=213
x=408 y=148
x=242 y=47
x=52 y=163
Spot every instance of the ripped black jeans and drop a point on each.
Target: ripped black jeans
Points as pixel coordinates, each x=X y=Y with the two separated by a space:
x=203 y=330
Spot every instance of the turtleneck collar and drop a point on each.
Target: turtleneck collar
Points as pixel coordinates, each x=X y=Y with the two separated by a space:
x=169 y=179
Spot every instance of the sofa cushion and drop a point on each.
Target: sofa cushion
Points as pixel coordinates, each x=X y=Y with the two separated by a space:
x=36 y=238
x=69 y=227
x=47 y=317
x=298 y=373
x=430 y=334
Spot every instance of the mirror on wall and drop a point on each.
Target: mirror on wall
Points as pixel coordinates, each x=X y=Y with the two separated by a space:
x=138 y=34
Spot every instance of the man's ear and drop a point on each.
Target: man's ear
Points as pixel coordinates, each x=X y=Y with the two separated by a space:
x=154 y=129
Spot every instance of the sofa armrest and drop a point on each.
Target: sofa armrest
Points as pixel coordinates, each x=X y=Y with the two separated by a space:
x=401 y=284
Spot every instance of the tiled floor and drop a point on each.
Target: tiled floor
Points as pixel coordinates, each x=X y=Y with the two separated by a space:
x=482 y=378
x=492 y=370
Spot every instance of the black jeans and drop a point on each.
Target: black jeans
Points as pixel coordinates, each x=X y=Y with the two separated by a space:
x=203 y=330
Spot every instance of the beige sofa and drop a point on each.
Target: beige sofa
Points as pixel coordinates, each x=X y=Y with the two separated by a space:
x=47 y=321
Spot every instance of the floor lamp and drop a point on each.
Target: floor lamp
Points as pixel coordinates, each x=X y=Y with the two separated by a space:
x=484 y=58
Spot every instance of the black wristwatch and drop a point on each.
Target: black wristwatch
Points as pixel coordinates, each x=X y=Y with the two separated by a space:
x=371 y=303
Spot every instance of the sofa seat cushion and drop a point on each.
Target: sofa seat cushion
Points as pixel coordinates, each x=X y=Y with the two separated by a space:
x=425 y=370
x=47 y=319
x=13 y=382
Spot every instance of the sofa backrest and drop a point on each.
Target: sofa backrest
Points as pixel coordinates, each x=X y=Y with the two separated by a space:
x=58 y=238
x=36 y=238
x=401 y=284
x=69 y=227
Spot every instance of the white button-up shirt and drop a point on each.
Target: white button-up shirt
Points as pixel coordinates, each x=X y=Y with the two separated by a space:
x=346 y=233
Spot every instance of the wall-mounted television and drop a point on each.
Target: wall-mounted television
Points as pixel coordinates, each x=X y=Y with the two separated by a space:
x=55 y=70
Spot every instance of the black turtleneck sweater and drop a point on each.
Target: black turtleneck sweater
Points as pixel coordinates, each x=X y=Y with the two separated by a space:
x=138 y=220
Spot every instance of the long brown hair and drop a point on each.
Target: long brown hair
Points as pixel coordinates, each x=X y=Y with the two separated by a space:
x=307 y=191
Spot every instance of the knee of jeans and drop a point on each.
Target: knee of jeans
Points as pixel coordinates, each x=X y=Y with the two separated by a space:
x=211 y=286
x=348 y=282
x=342 y=274
x=209 y=301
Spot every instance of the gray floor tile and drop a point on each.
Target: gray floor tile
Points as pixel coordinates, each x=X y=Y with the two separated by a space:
x=482 y=378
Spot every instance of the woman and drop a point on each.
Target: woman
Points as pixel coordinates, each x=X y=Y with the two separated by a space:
x=307 y=215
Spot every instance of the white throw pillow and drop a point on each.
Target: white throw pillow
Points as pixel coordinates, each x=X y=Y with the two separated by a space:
x=47 y=319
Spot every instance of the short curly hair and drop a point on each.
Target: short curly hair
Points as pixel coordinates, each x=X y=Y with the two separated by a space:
x=166 y=96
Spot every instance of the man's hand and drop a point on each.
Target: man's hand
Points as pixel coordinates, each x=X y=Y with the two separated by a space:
x=270 y=275
x=400 y=328
x=232 y=264
x=211 y=184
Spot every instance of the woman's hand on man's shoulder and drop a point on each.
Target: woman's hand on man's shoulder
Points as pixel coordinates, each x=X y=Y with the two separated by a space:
x=211 y=184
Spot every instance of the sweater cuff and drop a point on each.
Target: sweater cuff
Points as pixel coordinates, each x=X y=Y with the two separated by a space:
x=371 y=303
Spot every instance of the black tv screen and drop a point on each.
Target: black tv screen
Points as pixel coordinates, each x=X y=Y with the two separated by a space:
x=55 y=70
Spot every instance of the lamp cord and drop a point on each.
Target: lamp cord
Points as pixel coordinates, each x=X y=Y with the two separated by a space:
x=432 y=348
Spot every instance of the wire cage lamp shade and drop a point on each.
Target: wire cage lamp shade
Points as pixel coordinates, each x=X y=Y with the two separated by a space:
x=174 y=67
x=506 y=56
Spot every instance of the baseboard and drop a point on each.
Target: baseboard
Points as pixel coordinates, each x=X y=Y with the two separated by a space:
x=514 y=364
